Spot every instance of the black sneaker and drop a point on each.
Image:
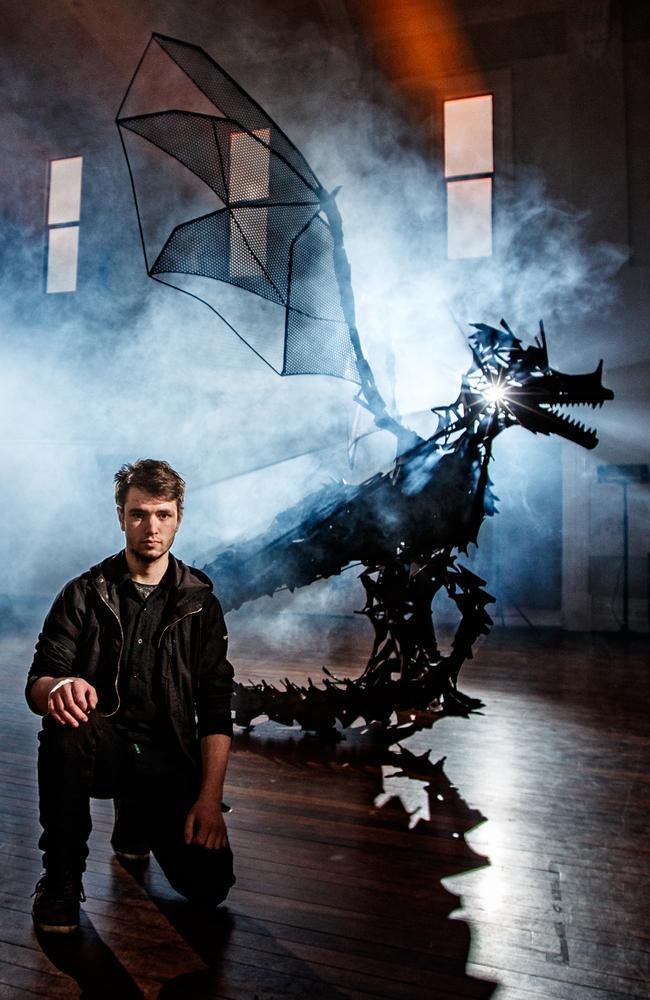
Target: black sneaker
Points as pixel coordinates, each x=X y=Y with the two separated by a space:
x=56 y=907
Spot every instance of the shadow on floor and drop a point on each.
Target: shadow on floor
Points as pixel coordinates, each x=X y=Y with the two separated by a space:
x=86 y=958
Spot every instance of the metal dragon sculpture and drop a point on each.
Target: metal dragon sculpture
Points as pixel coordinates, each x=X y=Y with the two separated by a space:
x=274 y=231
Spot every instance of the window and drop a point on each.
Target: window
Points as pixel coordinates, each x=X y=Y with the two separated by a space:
x=249 y=180
x=469 y=172
x=64 y=206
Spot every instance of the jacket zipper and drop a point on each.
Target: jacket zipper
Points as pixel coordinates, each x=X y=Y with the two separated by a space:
x=175 y=622
x=119 y=660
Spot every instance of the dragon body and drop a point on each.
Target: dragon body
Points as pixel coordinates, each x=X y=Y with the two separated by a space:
x=406 y=528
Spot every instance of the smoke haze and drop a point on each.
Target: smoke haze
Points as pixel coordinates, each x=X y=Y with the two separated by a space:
x=128 y=368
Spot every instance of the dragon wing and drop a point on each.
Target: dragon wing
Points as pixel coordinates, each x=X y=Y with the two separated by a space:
x=264 y=231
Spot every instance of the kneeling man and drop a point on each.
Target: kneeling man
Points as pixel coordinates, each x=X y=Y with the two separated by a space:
x=131 y=676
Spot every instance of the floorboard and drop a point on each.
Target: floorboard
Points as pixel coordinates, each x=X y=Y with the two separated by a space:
x=511 y=863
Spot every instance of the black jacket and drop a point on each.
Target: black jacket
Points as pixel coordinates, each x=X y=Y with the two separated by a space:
x=82 y=637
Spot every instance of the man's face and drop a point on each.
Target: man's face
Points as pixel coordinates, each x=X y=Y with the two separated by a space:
x=149 y=523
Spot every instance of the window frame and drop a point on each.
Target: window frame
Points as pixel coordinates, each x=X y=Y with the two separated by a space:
x=497 y=82
x=66 y=224
x=454 y=182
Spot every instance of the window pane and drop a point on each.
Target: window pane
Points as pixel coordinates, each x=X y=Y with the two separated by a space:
x=469 y=218
x=62 y=259
x=249 y=179
x=65 y=190
x=468 y=136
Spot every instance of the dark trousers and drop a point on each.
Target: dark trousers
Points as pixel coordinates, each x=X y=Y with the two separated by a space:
x=158 y=789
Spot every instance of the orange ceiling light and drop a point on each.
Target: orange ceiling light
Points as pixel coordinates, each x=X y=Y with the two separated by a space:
x=416 y=39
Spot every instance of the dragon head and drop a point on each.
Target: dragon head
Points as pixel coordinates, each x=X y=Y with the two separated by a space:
x=512 y=384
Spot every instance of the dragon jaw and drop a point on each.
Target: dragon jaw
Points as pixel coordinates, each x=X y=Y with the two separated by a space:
x=516 y=385
x=535 y=404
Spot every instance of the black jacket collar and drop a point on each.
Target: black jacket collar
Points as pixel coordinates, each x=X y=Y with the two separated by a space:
x=189 y=587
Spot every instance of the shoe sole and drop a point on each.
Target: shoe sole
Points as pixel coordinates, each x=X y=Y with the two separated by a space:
x=129 y=856
x=56 y=928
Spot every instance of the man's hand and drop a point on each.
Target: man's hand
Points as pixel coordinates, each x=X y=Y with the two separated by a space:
x=70 y=701
x=205 y=824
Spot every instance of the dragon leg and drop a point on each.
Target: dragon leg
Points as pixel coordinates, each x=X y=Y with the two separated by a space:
x=466 y=590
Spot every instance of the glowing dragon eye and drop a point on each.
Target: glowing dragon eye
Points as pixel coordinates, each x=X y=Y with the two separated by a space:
x=494 y=393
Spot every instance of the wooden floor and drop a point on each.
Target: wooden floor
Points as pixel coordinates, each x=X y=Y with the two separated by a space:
x=518 y=869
